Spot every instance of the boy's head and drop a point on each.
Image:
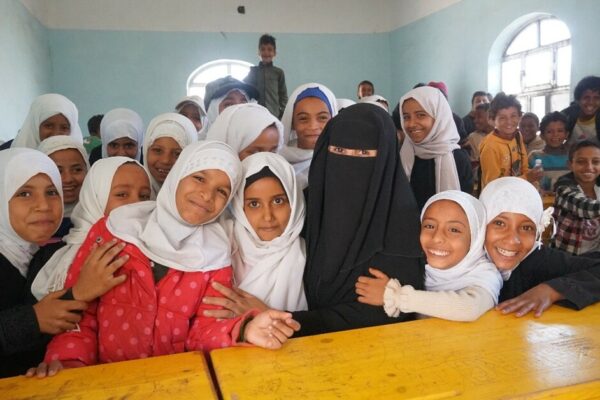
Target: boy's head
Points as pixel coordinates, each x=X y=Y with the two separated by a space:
x=481 y=119
x=584 y=161
x=528 y=126
x=267 y=48
x=365 y=88
x=94 y=125
x=587 y=95
x=553 y=129
x=505 y=111
x=479 y=97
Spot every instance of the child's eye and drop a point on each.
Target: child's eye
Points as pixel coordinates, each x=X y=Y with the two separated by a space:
x=498 y=222
x=199 y=178
x=156 y=150
x=455 y=230
x=52 y=192
x=176 y=153
x=121 y=194
x=253 y=204
x=280 y=200
x=23 y=193
x=129 y=146
x=145 y=196
x=427 y=226
x=324 y=118
x=528 y=228
x=223 y=193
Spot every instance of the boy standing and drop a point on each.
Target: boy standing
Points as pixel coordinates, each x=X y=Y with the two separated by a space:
x=365 y=88
x=503 y=153
x=577 y=202
x=93 y=140
x=268 y=79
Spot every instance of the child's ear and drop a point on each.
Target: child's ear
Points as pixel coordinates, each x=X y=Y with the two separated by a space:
x=570 y=165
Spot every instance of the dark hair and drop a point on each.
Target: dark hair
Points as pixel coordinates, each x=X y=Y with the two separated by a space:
x=94 y=124
x=575 y=147
x=365 y=82
x=501 y=101
x=267 y=39
x=555 y=116
x=420 y=84
x=588 y=83
x=532 y=116
x=483 y=107
x=479 y=93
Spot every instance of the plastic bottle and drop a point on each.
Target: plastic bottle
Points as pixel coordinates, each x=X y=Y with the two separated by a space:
x=540 y=183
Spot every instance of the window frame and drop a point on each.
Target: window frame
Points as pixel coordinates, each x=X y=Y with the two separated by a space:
x=212 y=64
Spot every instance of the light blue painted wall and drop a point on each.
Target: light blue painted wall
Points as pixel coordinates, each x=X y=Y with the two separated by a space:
x=24 y=64
x=454 y=44
x=147 y=71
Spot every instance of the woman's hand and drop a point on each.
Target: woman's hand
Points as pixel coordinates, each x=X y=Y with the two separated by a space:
x=235 y=302
x=370 y=290
x=55 y=316
x=270 y=329
x=97 y=275
x=537 y=299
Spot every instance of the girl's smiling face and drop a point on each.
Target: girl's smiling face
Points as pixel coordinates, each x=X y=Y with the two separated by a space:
x=202 y=195
x=445 y=234
x=509 y=238
x=54 y=126
x=35 y=209
x=161 y=157
x=130 y=184
x=267 y=208
x=417 y=123
x=310 y=117
x=73 y=170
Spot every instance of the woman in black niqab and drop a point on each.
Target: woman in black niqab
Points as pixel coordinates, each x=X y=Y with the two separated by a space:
x=361 y=213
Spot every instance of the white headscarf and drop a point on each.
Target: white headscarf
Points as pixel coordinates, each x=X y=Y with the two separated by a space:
x=120 y=123
x=241 y=124
x=42 y=108
x=158 y=230
x=343 y=103
x=301 y=158
x=271 y=270
x=438 y=144
x=213 y=108
x=516 y=195
x=92 y=203
x=17 y=166
x=377 y=100
x=57 y=143
x=197 y=102
x=173 y=125
x=475 y=269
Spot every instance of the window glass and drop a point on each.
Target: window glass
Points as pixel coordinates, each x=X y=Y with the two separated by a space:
x=526 y=40
x=214 y=70
x=552 y=31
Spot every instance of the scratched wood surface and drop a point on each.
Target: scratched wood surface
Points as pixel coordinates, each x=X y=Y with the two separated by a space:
x=496 y=357
x=179 y=376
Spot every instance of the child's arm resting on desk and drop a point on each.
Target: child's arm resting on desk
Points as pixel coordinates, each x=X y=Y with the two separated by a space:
x=466 y=304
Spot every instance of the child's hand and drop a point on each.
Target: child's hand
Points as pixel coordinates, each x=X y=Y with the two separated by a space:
x=370 y=290
x=534 y=175
x=43 y=370
x=537 y=299
x=270 y=329
x=55 y=316
x=97 y=274
x=235 y=302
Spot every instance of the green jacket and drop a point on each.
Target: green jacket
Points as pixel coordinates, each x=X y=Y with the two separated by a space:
x=270 y=82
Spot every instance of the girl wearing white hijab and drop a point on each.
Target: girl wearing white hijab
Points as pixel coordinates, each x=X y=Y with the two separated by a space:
x=534 y=276
x=176 y=252
x=71 y=159
x=192 y=107
x=122 y=133
x=54 y=110
x=31 y=210
x=269 y=269
x=167 y=135
x=461 y=283
x=248 y=129
x=431 y=156
x=298 y=137
x=98 y=195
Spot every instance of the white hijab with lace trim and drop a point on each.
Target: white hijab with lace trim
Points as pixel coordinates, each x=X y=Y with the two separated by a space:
x=439 y=144
x=120 y=123
x=270 y=270
x=158 y=230
x=42 y=108
x=17 y=166
x=474 y=269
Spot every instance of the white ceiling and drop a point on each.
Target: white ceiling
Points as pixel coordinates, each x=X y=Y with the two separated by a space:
x=298 y=16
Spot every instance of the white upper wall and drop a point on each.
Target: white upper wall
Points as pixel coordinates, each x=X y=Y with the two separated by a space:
x=290 y=16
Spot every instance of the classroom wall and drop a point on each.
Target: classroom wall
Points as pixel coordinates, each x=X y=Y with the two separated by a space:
x=454 y=44
x=148 y=71
x=24 y=64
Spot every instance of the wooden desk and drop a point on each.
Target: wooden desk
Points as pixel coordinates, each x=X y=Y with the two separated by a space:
x=495 y=357
x=179 y=376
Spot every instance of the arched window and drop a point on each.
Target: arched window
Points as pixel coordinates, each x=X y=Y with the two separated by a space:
x=196 y=84
x=536 y=66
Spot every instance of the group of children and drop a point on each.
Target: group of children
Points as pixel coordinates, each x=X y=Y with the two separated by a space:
x=194 y=234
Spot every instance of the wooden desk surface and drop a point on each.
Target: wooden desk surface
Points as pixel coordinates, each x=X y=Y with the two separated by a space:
x=178 y=376
x=495 y=357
